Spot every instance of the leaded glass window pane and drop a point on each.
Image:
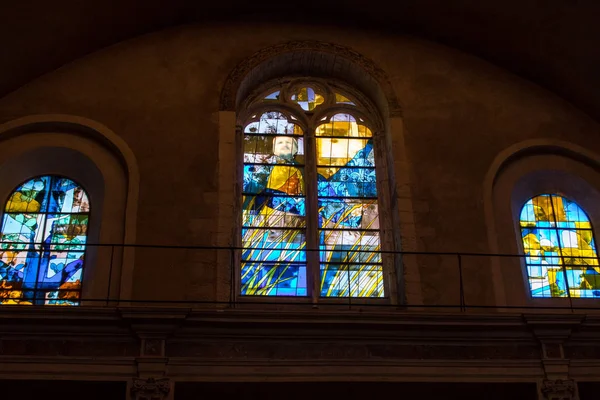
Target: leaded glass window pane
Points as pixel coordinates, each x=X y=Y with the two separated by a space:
x=560 y=249
x=350 y=262
x=43 y=242
x=274 y=208
x=307 y=98
x=334 y=213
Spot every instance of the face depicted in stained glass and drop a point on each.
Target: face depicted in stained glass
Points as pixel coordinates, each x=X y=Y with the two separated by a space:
x=274 y=236
x=285 y=147
x=560 y=248
x=44 y=232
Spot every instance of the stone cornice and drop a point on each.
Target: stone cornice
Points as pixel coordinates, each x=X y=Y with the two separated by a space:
x=123 y=318
x=194 y=344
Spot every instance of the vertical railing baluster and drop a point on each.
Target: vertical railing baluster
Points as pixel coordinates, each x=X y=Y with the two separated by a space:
x=232 y=277
x=112 y=254
x=461 y=284
x=349 y=285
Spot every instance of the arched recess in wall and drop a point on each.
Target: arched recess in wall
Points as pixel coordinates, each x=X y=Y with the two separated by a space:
x=102 y=163
x=525 y=170
x=330 y=62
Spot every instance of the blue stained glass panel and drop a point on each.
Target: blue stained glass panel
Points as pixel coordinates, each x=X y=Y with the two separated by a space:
x=340 y=213
x=273 y=279
x=560 y=248
x=273 y=209
x=272 y=96
x=347 y=182
x=44 y=233
x=275 y=244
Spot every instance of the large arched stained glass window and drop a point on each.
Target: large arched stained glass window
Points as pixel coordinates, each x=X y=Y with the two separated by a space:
x=560 y=248
x=43 y=242
x=310 y=206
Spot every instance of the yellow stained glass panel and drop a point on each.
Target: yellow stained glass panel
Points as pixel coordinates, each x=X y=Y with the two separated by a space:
x=343 y=125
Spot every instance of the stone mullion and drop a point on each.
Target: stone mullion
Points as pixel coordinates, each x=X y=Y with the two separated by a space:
x=312 y=222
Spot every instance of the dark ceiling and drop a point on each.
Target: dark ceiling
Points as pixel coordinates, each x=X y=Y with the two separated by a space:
x=554 y=43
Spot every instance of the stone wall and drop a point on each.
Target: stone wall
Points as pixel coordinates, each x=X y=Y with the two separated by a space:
x=161 y=94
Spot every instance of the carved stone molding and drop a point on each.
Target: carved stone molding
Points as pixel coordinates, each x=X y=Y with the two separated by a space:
x=329 y=351
x=236 y=76
x=559 y=389
x=153 y=347
x=582 y=352
x=150 y=389
x=552 y=350
x=70 y=347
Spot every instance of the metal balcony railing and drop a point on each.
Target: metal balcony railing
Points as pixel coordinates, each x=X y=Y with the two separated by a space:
x=458 y=281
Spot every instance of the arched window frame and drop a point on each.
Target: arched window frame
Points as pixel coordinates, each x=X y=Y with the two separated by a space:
x=519 y=173
x=73 y=296
x=98 y=159
x=364 y=111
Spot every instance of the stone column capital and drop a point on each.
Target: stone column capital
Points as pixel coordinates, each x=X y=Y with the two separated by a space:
x=150 y=389
x=559 y=389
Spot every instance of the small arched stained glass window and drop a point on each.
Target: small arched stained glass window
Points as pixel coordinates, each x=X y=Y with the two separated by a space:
x=560 y=248
x=42 y=247
x=307 y=98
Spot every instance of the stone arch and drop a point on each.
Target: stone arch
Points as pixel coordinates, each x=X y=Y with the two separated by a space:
x=349 y=71
x=104 y=164
x=520 y=171
x=315 y=58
